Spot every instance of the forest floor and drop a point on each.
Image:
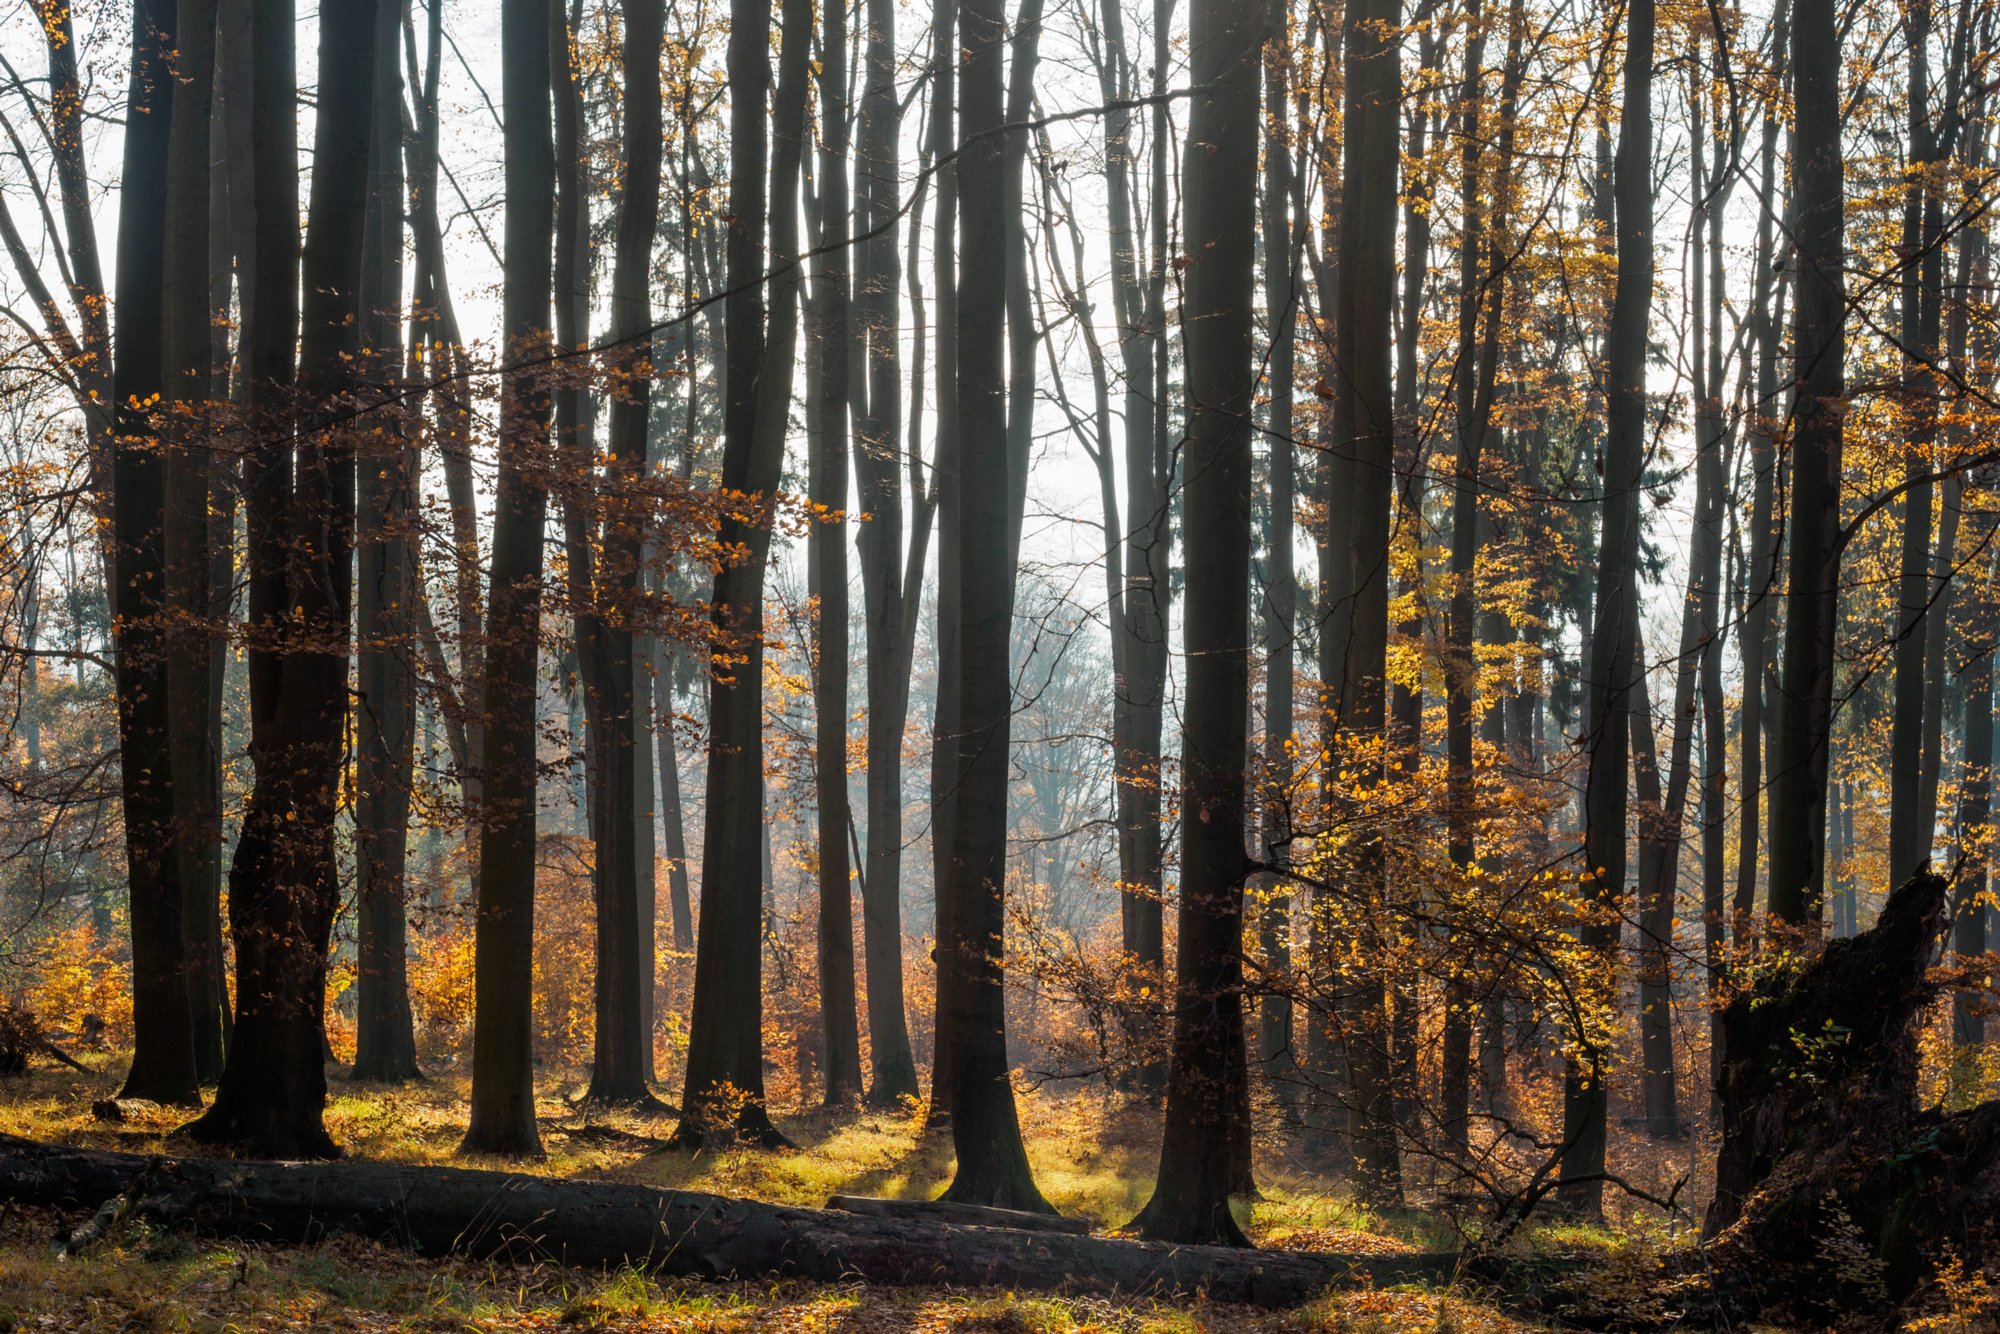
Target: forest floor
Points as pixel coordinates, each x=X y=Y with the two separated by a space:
x=1092 y=1159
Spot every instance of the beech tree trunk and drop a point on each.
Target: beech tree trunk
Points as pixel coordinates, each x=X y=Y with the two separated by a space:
x=163 y=1057
x=829 y=390
x=503 y=1087
x=1799 y=760
x=945 y=712
x=725 y=1069
x=1364 y=428
x=385 y=1045
x=891 y=602
x=284 y=883
x=1207 y=1075
x=985 y=1128
x=1613 y=665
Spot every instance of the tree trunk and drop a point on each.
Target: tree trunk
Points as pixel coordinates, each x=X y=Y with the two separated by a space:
x=284 y=883
x=163 y=1057
x=1762 y=569
x=503 y=1089
x=1276 y=1060
x=1613 y=646
x=385 y=1047
x=1799 y=758
x=725 y=1046
x=189 y=414
x=945 y=712
x=986 y=1133
x=1205 y=1079
x=1920 y=249
x=891 y=604
x=1364 y=427
x=827 y=567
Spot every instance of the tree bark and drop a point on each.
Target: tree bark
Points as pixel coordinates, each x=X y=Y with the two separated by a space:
x=503 y=1089
x=1799 y=760
x=284 y=882
x=985 y=1127
x=1276 y=1060
x=1364 y=428
x=163 y=1064
x=1613 y=665
x=829 y=390
x=891 y=603
x=1190 y=1202
x=1911 y=819
x=945 y=719
x=725 y=1070
x=385 y=1046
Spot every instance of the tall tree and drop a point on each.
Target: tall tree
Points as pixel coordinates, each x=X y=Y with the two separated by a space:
x=284 y=883
x=188 y=420
x=1190 y=1200
x=1799 y=758
x=503 y=1080
x=1364 y=429
x=828 y=387
x=1613 y=649
x=1275 y=1056
x=725 y=1067
x=1762 y=535
x=891 y=597
x=1910 y=817
x=945 y=721
x=385 y=1046
x=163 y=1065
x=985 y=1126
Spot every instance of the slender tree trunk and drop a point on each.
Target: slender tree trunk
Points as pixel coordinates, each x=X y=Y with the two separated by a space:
x=1190 y=1202
x=163 y=1055
x=1139 y=622
x=1275 y=1058
x=385 y=588
x=945 y=720
x=725 y=1070
x=986 y=1133
x=503 y=1082
x=1764 y=425
x=1613 y=665
x=1365 y=431
x=891 y=605
x=827 y=561
x=1910 y=820
x=189 y=413
x=1799 y=759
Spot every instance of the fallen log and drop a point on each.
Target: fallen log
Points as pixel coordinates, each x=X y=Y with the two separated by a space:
x=950 y=1211
x=455 y=1210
